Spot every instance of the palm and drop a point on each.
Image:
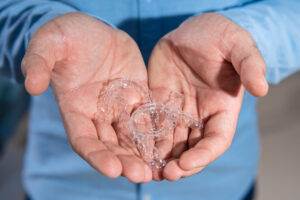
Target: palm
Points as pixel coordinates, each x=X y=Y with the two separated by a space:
x=86 y=54
x=205 y=93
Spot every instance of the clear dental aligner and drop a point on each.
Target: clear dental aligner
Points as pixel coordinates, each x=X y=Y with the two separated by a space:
x=150 y=122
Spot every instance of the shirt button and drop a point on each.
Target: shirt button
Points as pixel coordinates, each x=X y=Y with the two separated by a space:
x=147 y=197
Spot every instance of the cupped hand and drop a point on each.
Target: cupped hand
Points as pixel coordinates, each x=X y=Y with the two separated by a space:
x=79 y=55
x=210 y=60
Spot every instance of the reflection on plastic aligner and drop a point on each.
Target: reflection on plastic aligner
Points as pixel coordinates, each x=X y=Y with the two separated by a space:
x=113 y=100
x=150 y=122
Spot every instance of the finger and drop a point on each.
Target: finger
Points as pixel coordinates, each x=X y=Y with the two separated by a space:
x=42 y=52
x=181 y=133
x=164 y=149
x=173 y=171
x=248 y=62
x=194 y=137
x=157 y=174
x=179 y=141
x=218 y=134
x=106 y=133
x=84 y=140
x=135 y=169
x=37 y=74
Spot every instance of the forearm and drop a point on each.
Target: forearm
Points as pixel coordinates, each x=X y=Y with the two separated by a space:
x=19 y=19
x=275 y=27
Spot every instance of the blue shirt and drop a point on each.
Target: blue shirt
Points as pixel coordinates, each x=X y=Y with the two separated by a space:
x=53 y=171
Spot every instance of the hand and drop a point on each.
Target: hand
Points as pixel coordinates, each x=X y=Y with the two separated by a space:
x=79 y=54
x=210 y=60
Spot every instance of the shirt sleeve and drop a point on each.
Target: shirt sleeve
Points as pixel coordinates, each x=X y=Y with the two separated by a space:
x=275 y=27
x=19 y=19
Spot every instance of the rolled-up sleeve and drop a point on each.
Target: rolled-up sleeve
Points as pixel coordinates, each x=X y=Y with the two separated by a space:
x=19 y=19
x=275 y=27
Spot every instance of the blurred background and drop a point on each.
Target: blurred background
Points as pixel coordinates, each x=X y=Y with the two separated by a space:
x=279 y=118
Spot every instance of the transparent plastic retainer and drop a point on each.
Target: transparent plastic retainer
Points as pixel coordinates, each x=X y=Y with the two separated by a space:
x=149 y=122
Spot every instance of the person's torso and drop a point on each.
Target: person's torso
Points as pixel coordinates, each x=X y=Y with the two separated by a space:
x=54 y=171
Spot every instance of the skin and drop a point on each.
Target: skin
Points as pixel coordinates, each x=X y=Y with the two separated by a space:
x=78 y=62
x=210 y=60
x=207 y=58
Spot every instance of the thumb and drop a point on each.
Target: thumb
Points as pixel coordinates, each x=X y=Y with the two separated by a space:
x=43 y=50
x=248 y=62
x=36 y=72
